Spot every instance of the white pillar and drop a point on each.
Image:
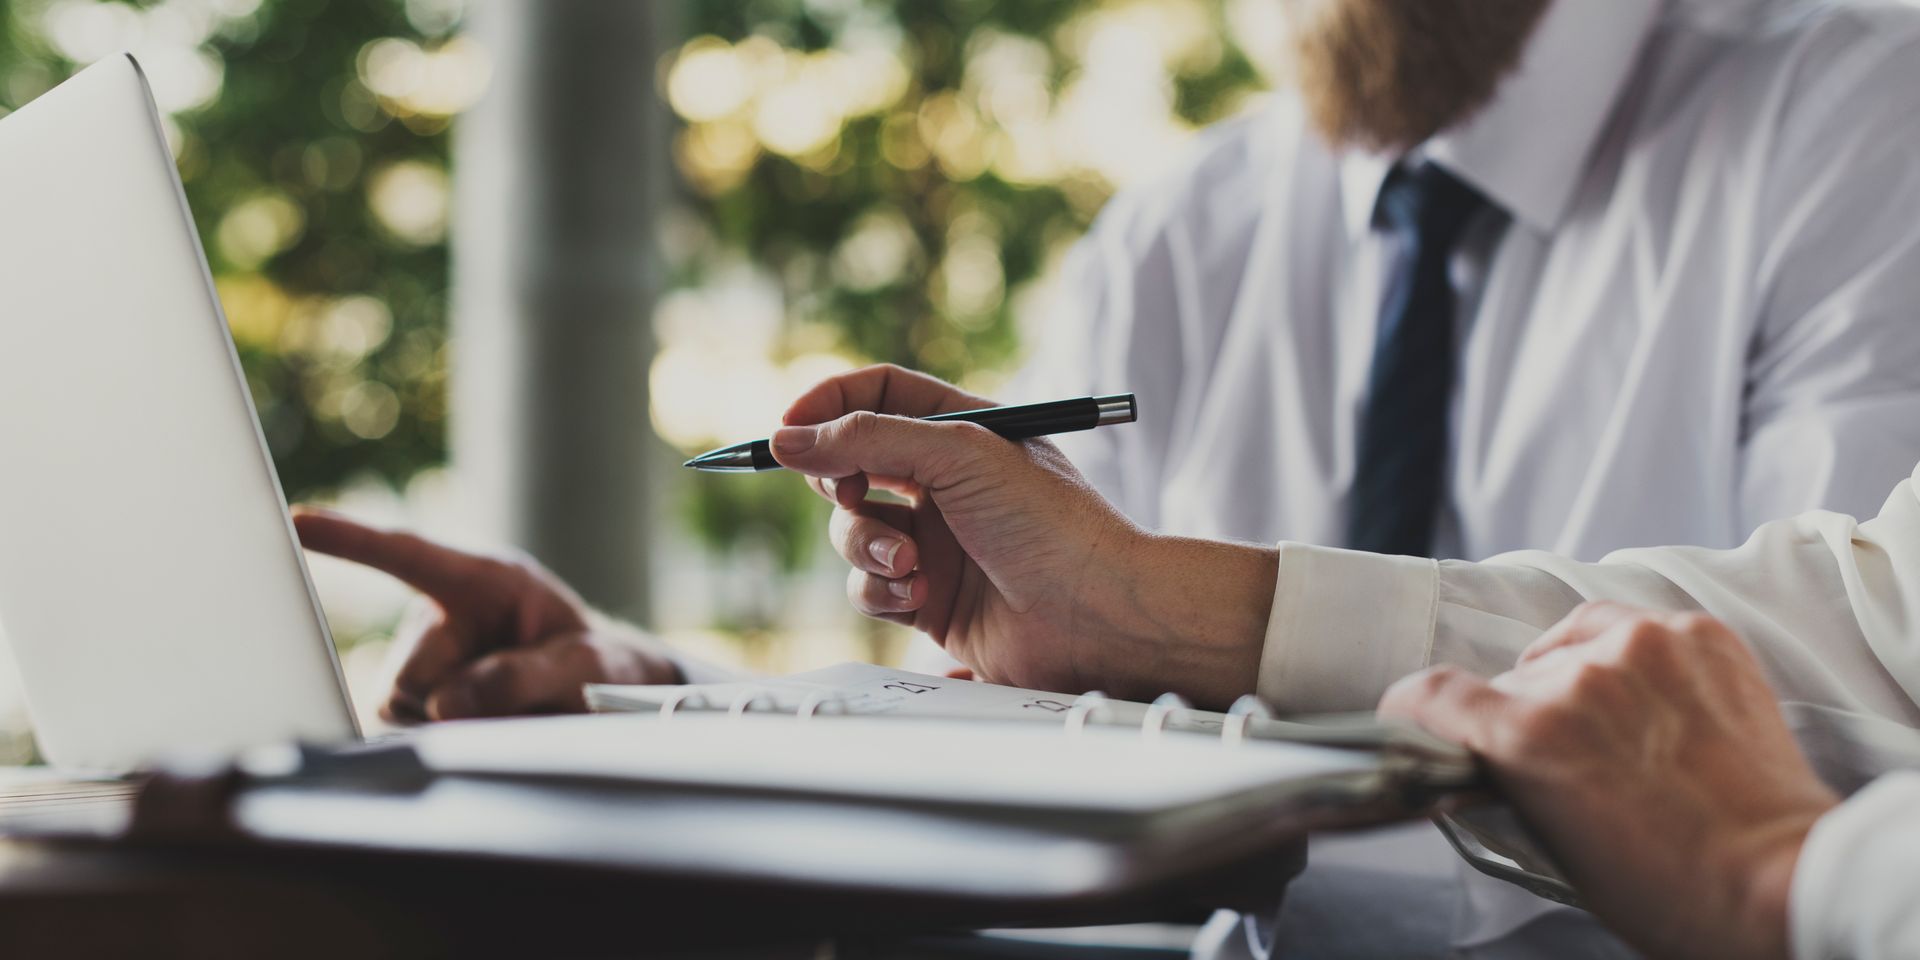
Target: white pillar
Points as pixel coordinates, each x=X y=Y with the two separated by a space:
x=556 y=174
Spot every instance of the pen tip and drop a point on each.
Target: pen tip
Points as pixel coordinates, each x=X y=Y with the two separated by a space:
x=690 y=463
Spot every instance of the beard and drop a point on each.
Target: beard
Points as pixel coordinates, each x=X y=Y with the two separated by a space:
x=1385 y=75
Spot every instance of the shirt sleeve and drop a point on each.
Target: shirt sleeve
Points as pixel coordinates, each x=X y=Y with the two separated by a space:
x=1854 y=889
x=1831 y=607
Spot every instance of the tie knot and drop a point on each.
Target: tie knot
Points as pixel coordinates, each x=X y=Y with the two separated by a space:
x=1428 y=201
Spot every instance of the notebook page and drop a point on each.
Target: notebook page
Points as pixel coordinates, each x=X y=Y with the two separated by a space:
x=865 y=689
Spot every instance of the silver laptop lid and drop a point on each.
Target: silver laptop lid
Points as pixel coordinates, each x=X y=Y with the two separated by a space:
x=151 y=587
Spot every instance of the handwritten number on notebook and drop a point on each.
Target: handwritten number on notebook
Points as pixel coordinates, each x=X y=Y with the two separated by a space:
x=1050 y=706
x=905 y=686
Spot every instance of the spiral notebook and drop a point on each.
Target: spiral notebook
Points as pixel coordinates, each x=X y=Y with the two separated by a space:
x=982 y=804
x=1424 y=771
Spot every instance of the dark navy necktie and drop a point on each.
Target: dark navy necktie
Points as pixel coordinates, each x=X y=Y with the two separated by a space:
x=1399 y=479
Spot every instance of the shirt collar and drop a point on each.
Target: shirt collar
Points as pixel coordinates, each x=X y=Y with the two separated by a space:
x=1526 y=150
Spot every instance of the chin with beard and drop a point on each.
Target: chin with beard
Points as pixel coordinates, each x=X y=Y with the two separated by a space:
x=1384 y=75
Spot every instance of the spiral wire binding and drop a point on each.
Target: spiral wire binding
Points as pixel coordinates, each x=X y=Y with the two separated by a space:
x=817 y=702
x=1084 y=708
x=1164 y=710
x=1240 y=718
x=744 y=703
x=1090 y=707
x=683 y=698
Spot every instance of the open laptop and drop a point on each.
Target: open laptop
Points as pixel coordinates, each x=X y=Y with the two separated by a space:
x=151 y=587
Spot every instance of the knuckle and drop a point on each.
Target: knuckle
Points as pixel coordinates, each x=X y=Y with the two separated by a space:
x=1542 y=726
x=963 y=442
x=1594 y=681
x=966 y=430
x=1434 y=682
x=1645 y=641
x=853 y=537
x=579 y=657
x=1399 y=695
x=1704 y=628
x=840 y=524
x=516 y=561
x=1597 y=611
x=860 y=423
x=861 y=591
x=491 y=683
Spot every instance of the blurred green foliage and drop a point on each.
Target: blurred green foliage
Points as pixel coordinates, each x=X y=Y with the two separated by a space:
x=278 y=166
x=927 y=161
x=901 y=232
x=789 y=214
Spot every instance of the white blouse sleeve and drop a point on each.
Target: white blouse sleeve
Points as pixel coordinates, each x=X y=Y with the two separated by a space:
x=1856 y=891
x=1831 y=606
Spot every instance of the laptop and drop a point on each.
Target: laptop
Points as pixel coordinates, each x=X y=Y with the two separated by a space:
x=152 y=589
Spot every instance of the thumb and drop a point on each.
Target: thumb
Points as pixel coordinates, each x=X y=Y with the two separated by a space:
x=934 y=455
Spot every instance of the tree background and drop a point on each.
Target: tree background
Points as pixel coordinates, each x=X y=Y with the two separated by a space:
x=859 y=181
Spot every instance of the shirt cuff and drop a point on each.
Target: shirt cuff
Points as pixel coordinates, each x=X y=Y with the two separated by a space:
x=1851 y=893
x=1345 y=625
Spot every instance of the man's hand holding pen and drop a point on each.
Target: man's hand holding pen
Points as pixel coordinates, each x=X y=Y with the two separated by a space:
x=1004 y=555
x=936 y=562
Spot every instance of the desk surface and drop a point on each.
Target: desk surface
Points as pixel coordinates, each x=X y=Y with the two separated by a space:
x=892 y=875
x=79 y=901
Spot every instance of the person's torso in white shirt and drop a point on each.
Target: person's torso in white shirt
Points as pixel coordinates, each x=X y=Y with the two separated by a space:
x=1696 y=308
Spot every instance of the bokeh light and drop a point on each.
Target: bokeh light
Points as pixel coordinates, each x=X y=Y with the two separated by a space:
x=860 y=181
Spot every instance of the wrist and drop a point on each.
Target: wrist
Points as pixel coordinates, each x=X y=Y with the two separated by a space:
x=1160 y=613
x=1766 y=883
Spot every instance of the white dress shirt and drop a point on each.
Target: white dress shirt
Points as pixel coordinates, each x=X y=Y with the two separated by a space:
x=1697 y=309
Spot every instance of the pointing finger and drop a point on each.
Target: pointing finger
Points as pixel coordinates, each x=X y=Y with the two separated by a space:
x=437 y=571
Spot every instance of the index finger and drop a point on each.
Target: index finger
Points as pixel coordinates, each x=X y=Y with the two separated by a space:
x=884 y=388
x=1584 y=625
x=437 y=571
x=1449 y=703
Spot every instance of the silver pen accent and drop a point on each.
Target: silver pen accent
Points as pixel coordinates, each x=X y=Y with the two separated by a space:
x=1116 y=409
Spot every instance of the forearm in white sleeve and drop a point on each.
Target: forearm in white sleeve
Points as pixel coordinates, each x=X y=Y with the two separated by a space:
x=1828 y=604
x=1855 y=893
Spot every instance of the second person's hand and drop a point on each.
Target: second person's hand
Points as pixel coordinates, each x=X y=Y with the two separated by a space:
x=503 y=635
x=1648 y=752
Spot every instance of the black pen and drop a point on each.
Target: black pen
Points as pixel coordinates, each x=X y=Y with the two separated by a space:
x=1013 y=423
